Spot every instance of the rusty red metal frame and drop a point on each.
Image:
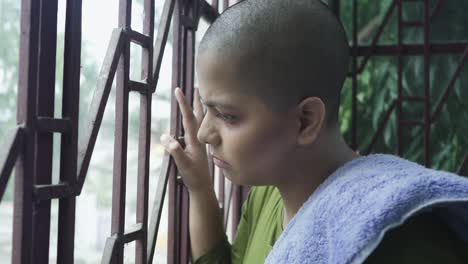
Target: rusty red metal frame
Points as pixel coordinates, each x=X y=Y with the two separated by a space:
x=36 y=123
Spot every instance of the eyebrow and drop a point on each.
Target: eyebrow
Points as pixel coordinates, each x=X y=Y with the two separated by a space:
x=216 y=104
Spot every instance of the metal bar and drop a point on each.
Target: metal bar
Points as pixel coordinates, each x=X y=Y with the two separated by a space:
x=376 y=38
x=51 y=125
x=53 y=191
x=413 y=98
x=188 y=74
x=228 y=208
x=412 y=123
x=215 y=4
x=381 y=126
x=448 y=90
x=236 y=212
x=44 y=141
x=400 y=65
x=463 y=168
x=411 y=49
x=134 y=233
x=69 y=141
x=221 y=198
x=109 y=249
x=427 y=84
x=412 y=24
x=158 y=206
x=14 y=147
x=138 y=38
x=98 y=104
x=121 y=135
x=173 y=234
x=209 y=12
x=144 y=143
x=27 y=80
x=436 y=9
x=354 y=67
x=139 y=87
x=161 y=40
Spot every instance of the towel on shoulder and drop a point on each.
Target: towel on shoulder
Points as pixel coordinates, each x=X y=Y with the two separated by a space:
x=345 y=219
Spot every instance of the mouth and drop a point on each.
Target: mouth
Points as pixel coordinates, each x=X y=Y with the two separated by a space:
x=219 y=162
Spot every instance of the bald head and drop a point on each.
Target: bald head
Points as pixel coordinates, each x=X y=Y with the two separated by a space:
x=281 y=51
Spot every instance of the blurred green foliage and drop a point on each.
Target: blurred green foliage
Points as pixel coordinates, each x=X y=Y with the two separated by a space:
x=377 y=85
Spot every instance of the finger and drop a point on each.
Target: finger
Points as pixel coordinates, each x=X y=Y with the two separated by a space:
x=198 y=108
x=175 y=149
x=188 y=118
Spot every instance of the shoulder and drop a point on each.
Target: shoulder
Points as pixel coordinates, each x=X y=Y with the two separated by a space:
x=421 y=239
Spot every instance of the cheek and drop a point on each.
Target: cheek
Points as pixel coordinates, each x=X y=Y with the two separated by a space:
x=261 y=155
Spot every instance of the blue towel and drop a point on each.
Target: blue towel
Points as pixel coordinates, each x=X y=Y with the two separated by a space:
x=347 y=216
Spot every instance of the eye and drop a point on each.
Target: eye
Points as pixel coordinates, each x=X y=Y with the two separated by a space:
x=226 y=117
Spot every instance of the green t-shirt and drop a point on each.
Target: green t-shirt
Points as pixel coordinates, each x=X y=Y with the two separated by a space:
x=261 y=224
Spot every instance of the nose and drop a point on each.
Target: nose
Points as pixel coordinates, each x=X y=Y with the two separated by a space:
x=207 y=133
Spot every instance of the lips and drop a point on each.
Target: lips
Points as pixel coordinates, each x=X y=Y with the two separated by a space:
x=219 y=162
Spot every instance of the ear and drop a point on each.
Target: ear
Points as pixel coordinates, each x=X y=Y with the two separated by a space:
x=311 y=118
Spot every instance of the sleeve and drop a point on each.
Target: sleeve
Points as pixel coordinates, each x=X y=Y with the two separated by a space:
x=223 y=252
x=422 y=239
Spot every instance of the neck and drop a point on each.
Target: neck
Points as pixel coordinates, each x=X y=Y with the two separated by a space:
x=308 y=173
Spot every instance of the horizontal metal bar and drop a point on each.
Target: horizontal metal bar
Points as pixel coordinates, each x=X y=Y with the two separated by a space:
x=413 y=98
x=134 y=233
x=412 y=24
x=139 y=87
x=411 y=123
x=53 y=125
x=98 y=104
x=139 y=38
x=411 y=49
x=53 y=191
x=14 y=147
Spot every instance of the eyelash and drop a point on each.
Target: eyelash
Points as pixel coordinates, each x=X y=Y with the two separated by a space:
x=224 y=117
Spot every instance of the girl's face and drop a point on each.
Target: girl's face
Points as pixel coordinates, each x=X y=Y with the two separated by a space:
x=256 y=143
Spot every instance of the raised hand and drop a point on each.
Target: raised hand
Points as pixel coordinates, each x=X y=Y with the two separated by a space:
x=191 y=161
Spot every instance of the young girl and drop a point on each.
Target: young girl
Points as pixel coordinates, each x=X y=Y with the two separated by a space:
x=270 y=74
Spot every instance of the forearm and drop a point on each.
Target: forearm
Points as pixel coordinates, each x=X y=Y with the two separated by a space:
x=205 y=222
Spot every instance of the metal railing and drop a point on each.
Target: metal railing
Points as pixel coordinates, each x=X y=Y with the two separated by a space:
x=33 y=182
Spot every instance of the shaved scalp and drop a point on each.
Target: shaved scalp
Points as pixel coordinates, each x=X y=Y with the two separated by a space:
x=284 y=50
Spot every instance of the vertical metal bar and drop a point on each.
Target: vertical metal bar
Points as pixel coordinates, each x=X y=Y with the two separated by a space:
x=427 y=90
x=121 y=135
x=28 y=67
x=236 y=205
x=215 y=4
x=172 y=255
x=69 y=141
x=399 y=109
x=188 y=74
x=145 y=136
x=335 y=7
x=44 y=141
x=354 y=78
